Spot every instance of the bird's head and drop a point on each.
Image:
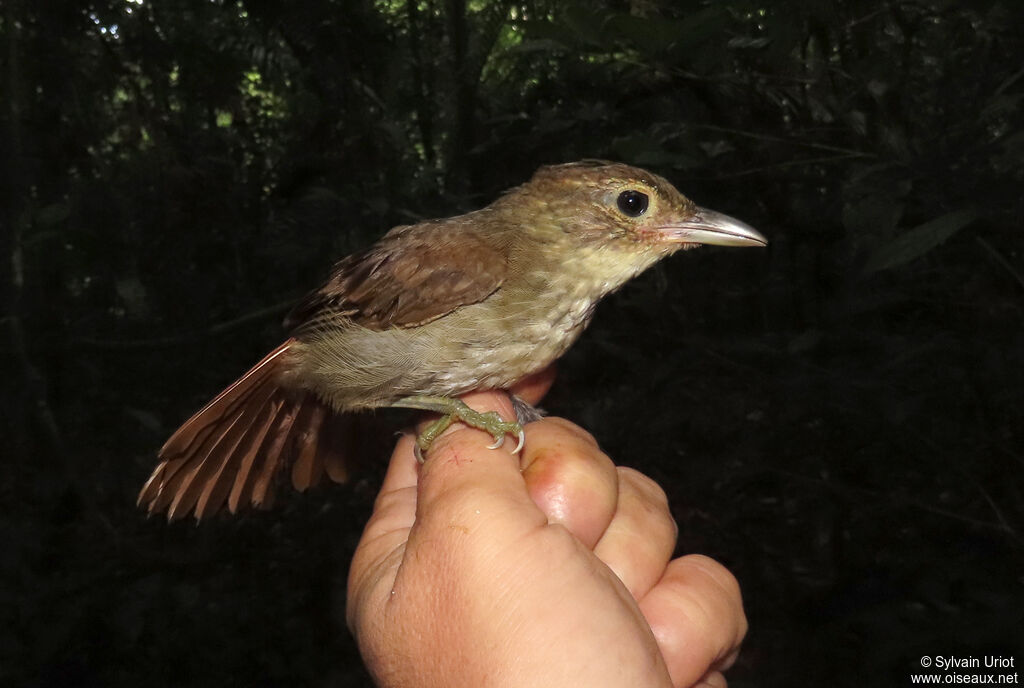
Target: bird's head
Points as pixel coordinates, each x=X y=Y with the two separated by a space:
x=613 y=205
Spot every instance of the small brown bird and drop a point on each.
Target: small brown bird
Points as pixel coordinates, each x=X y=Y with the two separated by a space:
x=429 y=312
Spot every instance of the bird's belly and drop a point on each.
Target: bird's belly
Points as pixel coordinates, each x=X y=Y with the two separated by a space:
x=498 y=356
x=471 y=348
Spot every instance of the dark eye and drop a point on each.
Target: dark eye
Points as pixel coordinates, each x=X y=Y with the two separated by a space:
x=633 y=203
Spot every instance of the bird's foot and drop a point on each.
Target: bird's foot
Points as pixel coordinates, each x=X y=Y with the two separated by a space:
x=452 y=410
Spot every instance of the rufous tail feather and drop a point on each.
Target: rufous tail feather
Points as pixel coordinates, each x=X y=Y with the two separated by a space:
x=232 y=451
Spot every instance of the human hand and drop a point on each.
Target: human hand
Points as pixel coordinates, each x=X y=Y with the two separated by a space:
x=480 y=568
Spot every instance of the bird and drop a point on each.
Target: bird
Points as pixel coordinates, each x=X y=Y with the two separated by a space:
x=429 y=312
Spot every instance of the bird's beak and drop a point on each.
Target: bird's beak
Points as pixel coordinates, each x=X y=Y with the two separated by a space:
x=715 y=229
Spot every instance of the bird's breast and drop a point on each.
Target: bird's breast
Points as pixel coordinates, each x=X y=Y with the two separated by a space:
x=531 y=320
x=496 y=343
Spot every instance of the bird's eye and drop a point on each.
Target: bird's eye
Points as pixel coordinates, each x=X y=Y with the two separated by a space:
x=633 y=203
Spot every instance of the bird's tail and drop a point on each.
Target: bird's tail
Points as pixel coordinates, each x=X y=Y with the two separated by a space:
x=232 y=450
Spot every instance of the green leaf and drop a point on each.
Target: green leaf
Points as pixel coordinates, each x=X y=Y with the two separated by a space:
x=918 y=241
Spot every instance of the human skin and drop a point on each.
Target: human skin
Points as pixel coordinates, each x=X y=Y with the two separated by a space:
x=480 y=568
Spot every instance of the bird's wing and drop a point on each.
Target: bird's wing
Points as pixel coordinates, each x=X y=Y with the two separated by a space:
x=411 y=276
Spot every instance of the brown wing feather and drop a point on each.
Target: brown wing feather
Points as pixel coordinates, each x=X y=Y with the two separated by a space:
x=234 y=447
x=241 y=486
x=336 y=450
x=413 y=275
x=308 y=465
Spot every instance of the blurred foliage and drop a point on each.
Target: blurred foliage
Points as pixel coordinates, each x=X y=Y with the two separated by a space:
x=838 y=418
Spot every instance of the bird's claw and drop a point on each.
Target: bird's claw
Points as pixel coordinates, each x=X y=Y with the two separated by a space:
x=499 y=440
x=493 y=423
x=489 y=422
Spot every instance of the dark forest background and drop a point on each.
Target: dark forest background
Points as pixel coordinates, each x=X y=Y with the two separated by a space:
x=837 y=418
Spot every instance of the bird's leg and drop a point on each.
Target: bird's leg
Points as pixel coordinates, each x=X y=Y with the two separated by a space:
x=452 y=410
